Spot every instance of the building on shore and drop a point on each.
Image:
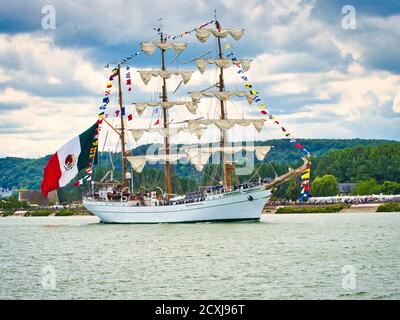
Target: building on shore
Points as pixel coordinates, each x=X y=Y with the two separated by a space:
x=346 y=189
x=35 y=197
x=4 y=193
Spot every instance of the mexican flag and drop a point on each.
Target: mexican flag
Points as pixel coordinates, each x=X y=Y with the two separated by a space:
x=74 y=156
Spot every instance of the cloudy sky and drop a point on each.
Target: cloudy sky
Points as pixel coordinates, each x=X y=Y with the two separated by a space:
x=319 y=78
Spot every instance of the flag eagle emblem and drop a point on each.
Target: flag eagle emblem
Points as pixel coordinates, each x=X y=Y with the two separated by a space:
x=69 y=162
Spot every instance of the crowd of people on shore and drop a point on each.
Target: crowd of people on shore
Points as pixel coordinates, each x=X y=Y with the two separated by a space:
x=342 y=199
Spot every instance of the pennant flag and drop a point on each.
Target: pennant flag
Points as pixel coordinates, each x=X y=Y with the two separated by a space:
x=65 y=164
x=117 y=113
x=122 y=111
x=109 y=84
x=298 y=146
x=157 y=122
x=78 y=183
x=305 y=176
x=89 y=170
x=305 y=184
x=128 y=81
x=106 y=100
x=304 y=195
x=130 y=117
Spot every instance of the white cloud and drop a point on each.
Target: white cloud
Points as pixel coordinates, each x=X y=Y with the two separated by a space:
x=396 y=103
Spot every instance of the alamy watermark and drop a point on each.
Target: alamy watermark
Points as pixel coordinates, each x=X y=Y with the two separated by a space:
x=349 y=281
x=48 y=281
x=241 y=154
x=49 y=19
x=349 y=20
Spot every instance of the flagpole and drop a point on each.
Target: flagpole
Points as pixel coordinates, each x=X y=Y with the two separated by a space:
x=165 y=119
x=123 y=151
x=223 y=138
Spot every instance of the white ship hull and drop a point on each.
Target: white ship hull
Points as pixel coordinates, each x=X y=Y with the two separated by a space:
x=244 y=204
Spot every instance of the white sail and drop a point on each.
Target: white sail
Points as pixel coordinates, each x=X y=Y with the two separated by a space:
x=141 y=106
x=204 y=33
x=225 y=124
x=222 y=63
x=149 y=47
x=165 y=74
x=138 y=162
x=225 y=95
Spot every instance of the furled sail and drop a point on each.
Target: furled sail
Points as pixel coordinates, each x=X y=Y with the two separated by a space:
x=138 y=162
x=141 y=107
x=149 y=47
x=166 y=132
x=222 y=63
x=204 y=33
x=225 y=124
x=225 y=95
x=147 y=74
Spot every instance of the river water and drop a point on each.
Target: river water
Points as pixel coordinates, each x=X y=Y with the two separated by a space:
x=295 y=256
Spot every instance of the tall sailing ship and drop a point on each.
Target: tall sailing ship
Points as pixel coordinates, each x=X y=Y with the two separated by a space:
x=116 y=202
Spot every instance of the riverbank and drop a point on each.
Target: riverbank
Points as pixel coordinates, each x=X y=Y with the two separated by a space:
x=45 y=213
x=334 y=208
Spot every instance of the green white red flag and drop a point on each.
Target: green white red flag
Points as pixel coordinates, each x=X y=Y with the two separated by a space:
x=74 y=156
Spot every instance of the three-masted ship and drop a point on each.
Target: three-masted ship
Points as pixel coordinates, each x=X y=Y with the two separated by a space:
x=115 y=202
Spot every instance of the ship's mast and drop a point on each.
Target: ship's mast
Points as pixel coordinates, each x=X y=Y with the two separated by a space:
x=221 y=85
x=123 y=151
x=165 y=120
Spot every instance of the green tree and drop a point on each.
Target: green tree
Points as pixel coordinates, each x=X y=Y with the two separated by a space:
x=293 y=190
x=324 y=186
x=13 y=203
x=367 y=187
x=391 y=187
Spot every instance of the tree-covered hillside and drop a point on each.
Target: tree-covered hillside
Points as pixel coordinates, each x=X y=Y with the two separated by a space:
x=349 y=160
x=360 y=163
